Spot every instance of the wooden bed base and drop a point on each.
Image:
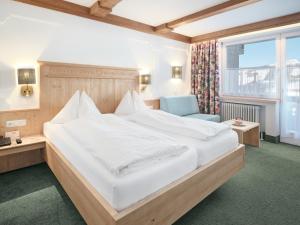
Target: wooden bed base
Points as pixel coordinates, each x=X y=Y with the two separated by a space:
x=163 y=207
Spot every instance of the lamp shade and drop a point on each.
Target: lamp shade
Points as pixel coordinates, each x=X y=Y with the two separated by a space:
x=26 y=76
x=177 y=72
x=146 y=79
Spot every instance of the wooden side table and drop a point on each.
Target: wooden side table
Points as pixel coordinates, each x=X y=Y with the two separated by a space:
x=248 y=132
x=16 y=156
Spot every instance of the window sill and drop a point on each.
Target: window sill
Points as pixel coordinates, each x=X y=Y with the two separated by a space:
x=250 y=99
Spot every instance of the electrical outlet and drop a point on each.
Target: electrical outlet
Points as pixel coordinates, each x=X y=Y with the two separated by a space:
x=16 y=123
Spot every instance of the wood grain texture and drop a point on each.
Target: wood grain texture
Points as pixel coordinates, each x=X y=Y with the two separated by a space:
x=261 y=25
x=103 y=7
x=17 y=156
x=91 y=205
x=162 y=207
x=154 y=103
x=23 y=159
x=105 y=85
x=251 y=137
x=109 y=3
x=173 y=201
x=205 y=13
x=59 y=81
x=248 y=133
x=33 y=121
x=82 y=11
x=28 y=144
x=97 y=10
x=163 y=28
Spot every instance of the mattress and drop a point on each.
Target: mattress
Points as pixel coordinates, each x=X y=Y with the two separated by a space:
x=119 y=192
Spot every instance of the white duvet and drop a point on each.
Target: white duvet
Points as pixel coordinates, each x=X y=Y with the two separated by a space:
x=121 y=146
x=195 y=128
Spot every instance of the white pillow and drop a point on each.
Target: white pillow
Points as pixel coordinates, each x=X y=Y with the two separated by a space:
x=87 y=107
x=69 y=111
x=126 y=105
x=138 y=102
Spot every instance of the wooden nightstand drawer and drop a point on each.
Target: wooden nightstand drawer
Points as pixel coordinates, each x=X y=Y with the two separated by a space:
x=17 y=156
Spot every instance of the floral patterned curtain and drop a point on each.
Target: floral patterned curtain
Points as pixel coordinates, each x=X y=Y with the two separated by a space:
x=205 y=76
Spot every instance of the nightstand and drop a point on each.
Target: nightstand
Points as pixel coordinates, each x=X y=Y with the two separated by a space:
x=28 y=153
x=248 y=132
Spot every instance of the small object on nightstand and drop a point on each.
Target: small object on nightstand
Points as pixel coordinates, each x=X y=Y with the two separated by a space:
x=5 y=141
x=19 y=141
x=237 y=121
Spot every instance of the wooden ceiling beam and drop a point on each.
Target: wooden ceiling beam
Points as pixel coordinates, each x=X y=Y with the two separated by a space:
x=212 y=11
x=261 y=25
x=103 y=7
x=97 y=10
x=108 y=3
x=82 y=11
x=163 y=29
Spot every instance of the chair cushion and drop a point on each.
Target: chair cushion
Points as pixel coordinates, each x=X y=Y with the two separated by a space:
x=180 y=105
x=214 y=118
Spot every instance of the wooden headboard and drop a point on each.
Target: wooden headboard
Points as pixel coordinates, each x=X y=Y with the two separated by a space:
x=105 y=85
x=59 y=81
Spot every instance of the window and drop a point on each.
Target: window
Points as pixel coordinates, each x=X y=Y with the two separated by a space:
x=293 y=66
x=290 y=105
x=250 y=69
x=268 y=68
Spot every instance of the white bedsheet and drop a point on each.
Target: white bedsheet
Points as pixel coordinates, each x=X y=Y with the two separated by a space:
x=207 y=150
x=173 y=124
x=120 y=192
x=120 y=147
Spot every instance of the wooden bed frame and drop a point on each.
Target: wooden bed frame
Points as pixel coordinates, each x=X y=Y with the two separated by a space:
x=107 y=85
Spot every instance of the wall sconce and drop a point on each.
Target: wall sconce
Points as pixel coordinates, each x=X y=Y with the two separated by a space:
x=145 y=80
x=26 y=76
x=177 y=72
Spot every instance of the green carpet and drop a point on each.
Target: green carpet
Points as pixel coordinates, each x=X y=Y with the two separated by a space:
x=265 y=192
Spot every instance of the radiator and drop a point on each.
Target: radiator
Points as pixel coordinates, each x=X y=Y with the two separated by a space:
x=247 y=112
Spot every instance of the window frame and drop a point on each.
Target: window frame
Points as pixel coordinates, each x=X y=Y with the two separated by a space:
x=247 y=40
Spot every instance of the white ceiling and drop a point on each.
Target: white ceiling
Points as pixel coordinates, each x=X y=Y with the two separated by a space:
x=156 y=12
x=258 y=11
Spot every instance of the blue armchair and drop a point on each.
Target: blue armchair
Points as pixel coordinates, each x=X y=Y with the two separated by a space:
x=186 y=106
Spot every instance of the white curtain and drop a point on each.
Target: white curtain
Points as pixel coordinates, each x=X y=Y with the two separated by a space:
x=290 y=108
x=258 y=81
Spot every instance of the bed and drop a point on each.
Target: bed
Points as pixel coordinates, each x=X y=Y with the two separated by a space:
x=118 y=191
x=166 y=204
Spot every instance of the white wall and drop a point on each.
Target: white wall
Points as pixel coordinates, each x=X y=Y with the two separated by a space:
x=29 y=34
